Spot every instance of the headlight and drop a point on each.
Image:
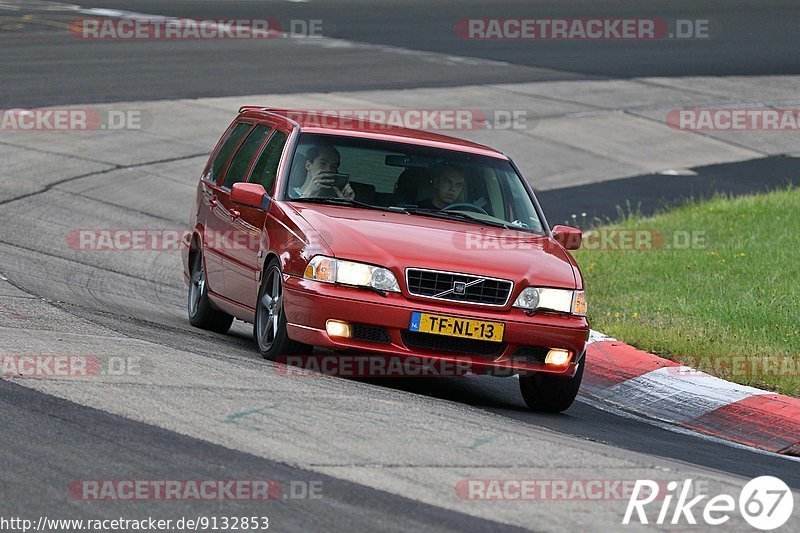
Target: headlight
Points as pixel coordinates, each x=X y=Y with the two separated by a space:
x=579 y=304
x=563 y=300
x=332 y=270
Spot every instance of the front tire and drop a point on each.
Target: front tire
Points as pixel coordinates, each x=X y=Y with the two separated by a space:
x=551 y=394
x=201 y=314
x=269 y=327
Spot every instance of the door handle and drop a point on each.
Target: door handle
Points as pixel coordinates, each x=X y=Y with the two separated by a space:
x=234 y=214
x=213 y=201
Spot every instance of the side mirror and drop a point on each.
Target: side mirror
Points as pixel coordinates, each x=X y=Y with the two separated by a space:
x=250 y=194
x=569 y=237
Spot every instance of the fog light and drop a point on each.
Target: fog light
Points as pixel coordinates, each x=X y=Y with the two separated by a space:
x=337 y=328
x=557 y=357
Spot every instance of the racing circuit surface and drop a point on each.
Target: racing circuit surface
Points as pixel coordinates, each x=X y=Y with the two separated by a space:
x=387 y=454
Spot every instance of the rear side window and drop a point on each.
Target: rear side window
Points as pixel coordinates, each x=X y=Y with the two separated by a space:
x=225 y=151
x=266 y=168
x=241 y=161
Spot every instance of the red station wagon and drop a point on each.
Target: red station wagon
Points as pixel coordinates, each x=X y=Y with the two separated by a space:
x=355 y=237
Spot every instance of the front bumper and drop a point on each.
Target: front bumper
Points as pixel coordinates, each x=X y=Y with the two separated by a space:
x=309 y=304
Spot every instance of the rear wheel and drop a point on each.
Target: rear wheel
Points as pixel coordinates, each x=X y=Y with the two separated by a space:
x=542 y=392
x=269 y=329
x=201 y=314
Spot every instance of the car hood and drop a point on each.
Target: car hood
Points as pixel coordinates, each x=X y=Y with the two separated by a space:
x=398 y=241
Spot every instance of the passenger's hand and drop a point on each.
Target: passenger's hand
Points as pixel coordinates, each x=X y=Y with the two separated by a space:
x=320 y=184
x=347 y=192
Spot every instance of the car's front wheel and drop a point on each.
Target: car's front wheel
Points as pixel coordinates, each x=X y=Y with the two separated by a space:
x=201 y=314
x=552 y=394
x=269 y=329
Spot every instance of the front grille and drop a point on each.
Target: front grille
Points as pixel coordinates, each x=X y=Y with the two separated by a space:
x=442 y=286
x=362 y=332
x=442 y=343
x=530 y=354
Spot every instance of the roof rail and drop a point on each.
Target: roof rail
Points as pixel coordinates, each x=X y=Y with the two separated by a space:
x=272 y=110
x=252 y=107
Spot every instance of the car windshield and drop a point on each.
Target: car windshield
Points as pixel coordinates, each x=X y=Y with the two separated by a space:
x=418 y=180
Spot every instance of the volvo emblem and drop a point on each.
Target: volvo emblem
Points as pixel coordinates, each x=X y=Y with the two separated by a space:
x=459 y=287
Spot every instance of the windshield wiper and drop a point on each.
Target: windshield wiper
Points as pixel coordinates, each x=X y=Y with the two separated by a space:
x=339 y=201
x=456 y=215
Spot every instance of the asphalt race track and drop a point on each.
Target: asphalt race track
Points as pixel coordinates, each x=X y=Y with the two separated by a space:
x=750 y=40
x=387 y=454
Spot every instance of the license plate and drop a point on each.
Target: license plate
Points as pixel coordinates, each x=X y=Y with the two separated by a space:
x=457 y=327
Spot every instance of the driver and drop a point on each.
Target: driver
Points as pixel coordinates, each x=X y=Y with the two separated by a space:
x=448 y=183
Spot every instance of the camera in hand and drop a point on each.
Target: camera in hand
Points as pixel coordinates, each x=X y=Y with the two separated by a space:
x=340 y=180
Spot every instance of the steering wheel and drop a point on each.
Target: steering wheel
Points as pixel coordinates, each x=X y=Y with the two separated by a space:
x=466 y=206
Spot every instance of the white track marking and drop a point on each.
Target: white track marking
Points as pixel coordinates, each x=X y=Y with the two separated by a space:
x=617 y=411
x=596 y=336
x=677 y=172
x=677 y=395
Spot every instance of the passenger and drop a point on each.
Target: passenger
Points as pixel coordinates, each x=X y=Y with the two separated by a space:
x=322 y=161
x=448 y=183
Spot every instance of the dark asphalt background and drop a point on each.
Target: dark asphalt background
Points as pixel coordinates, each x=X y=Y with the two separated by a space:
x=44 y=65
x=652 y=193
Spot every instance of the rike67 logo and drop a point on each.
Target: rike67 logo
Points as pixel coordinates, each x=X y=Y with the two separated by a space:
x=765 y=503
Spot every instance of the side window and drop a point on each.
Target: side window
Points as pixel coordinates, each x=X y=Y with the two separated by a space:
x=225 y=151
x=241 y=161
x=266 y=167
